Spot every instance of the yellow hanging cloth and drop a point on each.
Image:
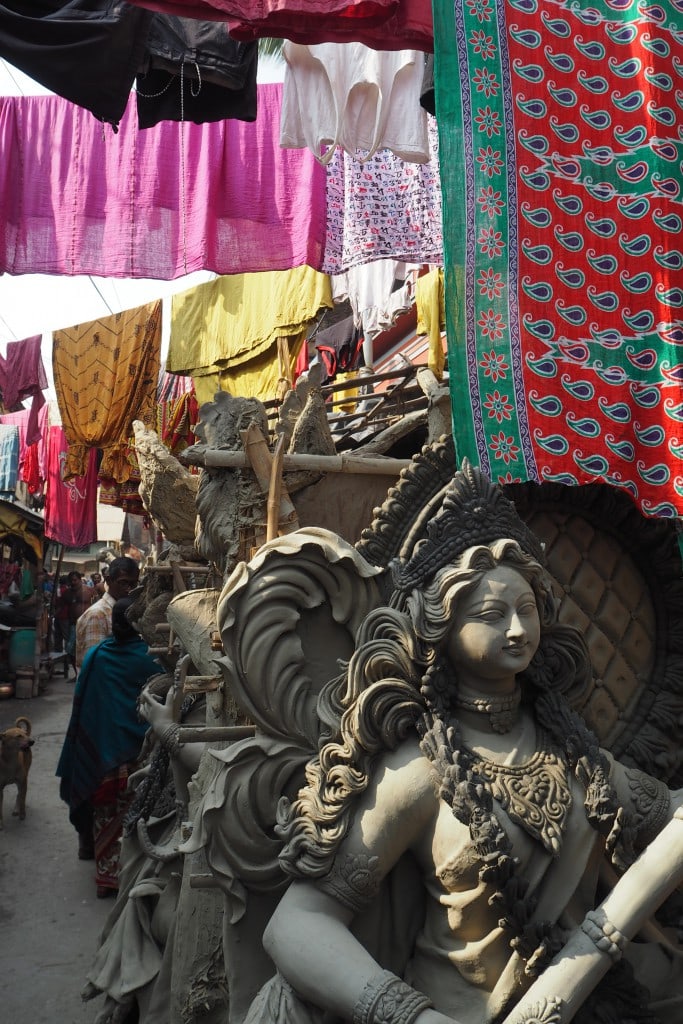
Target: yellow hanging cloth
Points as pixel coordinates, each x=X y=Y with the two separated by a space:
x=431 y=317
x=106 y=374
x=224 y=333
x=260 y=378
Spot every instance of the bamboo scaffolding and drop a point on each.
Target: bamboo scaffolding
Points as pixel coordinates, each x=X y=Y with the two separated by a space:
x=214 y=733
x=258 y=456
x=202 y=684
x=214 y=458
x=204 y=881
x=275 y=489
x=199 y=570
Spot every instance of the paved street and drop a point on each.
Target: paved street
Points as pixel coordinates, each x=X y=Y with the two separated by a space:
x=50 y=919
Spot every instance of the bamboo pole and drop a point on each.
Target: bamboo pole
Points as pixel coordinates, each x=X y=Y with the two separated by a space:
x=202 y=684
x=275 y=490
x=53 y=599
x=257 y=455
x=165 y=567
x=215 y=733
x=214 y=458
x=204 y=881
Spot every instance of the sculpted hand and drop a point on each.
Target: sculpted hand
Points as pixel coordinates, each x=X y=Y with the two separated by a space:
x=159 y=714
x=136 y=778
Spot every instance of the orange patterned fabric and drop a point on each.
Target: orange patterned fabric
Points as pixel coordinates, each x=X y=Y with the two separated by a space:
x=105 y=375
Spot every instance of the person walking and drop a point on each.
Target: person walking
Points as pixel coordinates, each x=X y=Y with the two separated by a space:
x=102 y=743
x=94 y=625
x=73 y=600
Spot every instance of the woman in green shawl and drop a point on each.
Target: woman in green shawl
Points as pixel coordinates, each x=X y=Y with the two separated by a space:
x=103 y=740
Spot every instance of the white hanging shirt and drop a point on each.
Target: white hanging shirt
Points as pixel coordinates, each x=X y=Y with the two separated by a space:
x=374 y=300
x=348 y=95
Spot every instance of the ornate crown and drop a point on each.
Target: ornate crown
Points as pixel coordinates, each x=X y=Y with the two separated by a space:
x=474 y=511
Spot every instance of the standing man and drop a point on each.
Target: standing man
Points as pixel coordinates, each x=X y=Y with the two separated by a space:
x=98 y=585
x=73 y=601
x=94 y=625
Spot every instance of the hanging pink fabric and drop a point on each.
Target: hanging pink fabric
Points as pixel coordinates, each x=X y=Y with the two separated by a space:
x=71 y=506
x=158 y=203
x=22 y=376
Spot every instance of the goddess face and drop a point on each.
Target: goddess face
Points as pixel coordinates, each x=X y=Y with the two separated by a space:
x=495 y=632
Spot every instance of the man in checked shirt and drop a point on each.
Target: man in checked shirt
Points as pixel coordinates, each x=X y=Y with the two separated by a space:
x=94 y=625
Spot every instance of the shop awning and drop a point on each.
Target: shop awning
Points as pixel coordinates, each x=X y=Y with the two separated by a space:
x=17 y=520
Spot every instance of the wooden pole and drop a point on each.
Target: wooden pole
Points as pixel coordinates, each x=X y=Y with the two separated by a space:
x=214 y=734
x=214 y=458
x=275 y=490
x=53 y=599
x=257 y=455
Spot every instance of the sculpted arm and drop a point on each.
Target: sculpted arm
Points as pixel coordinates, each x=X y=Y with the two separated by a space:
x=650 y=803
x=159 y=714
x=309 y=940
x=308 y=937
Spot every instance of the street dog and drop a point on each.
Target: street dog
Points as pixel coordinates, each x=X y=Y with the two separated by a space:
x=15 y=762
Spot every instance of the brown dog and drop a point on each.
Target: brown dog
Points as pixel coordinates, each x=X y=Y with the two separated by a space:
x=15 y=761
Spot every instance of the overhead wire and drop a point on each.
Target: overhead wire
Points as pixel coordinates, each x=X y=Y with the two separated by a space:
x=8 y=327
x=99 y=292
x=8 y=69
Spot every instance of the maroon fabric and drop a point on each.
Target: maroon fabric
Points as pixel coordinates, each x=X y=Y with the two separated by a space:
x=22 y=375
x=110 y=803
x=380 y=24
x=408 y=26
x=257 y=10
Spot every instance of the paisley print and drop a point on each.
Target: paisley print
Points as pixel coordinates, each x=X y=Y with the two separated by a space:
x=581 y=143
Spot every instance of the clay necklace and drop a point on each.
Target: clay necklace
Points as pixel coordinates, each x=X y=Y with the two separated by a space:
x=501 y=711
x=535 y=794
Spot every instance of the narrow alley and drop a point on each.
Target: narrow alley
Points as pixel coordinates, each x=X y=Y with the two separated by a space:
x=50 y=918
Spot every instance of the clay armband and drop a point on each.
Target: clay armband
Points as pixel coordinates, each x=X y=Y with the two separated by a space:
x=650 y=801
x=353 y=881
x=388 y=1000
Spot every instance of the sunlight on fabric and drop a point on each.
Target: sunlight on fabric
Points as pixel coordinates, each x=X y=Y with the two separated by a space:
x=40 y=304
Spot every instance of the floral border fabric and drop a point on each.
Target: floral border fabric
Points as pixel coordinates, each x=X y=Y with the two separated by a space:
x=561 y=158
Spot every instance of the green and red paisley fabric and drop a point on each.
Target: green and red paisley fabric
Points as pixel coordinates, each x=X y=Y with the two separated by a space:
x=561 y=140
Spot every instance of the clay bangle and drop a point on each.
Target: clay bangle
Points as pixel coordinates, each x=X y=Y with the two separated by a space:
x=169 y=738
x=388 y=1000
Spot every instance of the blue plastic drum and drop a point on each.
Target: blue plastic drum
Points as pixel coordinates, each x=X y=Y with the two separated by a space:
x=22 y=648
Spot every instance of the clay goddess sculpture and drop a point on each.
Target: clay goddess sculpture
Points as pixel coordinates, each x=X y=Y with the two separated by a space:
x=460 y=821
